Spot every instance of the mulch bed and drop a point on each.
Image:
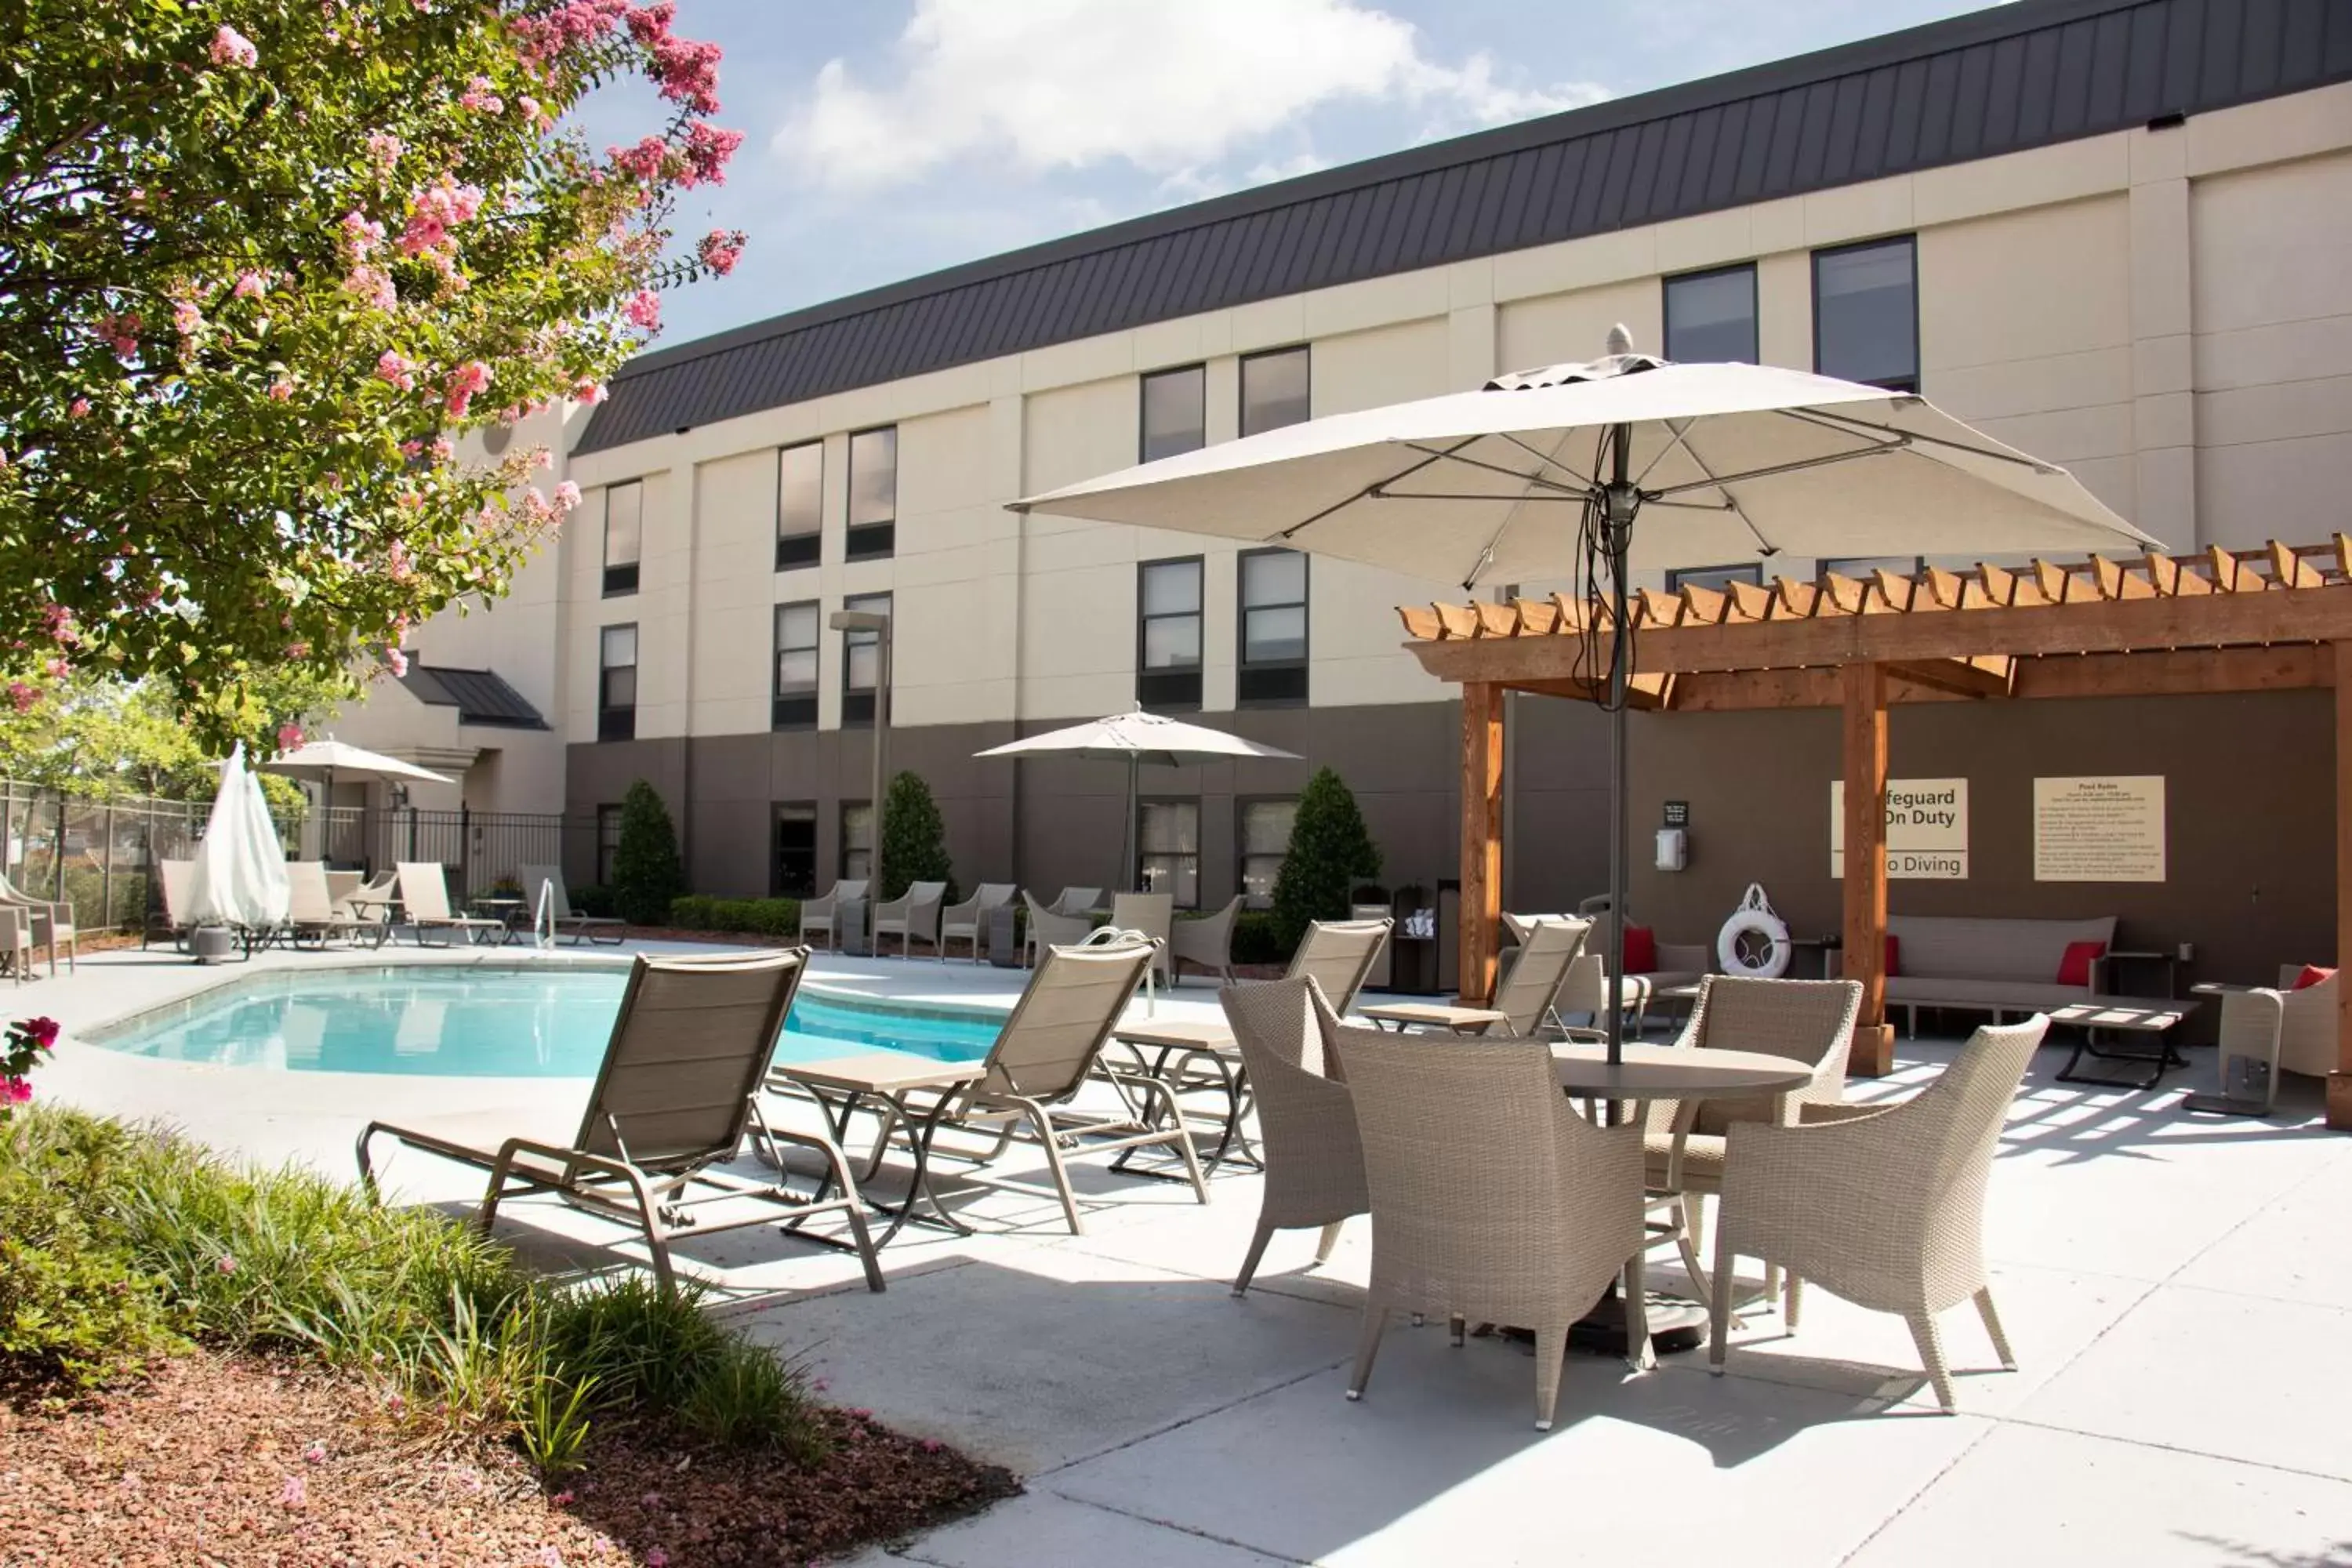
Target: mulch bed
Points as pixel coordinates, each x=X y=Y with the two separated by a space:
x=222 y=1459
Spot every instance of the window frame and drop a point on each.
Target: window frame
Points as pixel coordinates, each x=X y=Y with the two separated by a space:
x=776 y=810
x=842 y=847
x=870 y=540
x=620 y=578
x=1909 y=239
x=608 y=852
x=1275 y=693
x=1824 y=566
x=803 y=715
x=610 y=726
x=1143 y=405
x=1144 y=698
x=1241 y=387
x=1242 y=855
x=858 y=704
x=1755 y=306
x=1142 y=812
x=1680 y=576
x=791 y=555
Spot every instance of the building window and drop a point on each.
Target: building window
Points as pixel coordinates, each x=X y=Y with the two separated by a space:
x=861 y=661
x=616 y=684
x=795 y=697
x=1169 y=834
x=1265 y=839
x=625 y=536
x=1175 y=411
x=792 y=866
x=1715 y=577
x=608 y=843
x=1168 y=634
x=1273 y=627
x=857 y=839
x=1711 y=315
x=1861 y=567
x=873 y=494
x=1273 y=389
x=800 y=501
x=1866 y=313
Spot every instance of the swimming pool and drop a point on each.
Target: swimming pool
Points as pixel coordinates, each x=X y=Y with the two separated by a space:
x=489 y=1023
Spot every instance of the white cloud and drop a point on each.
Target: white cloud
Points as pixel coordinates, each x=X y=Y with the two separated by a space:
x=1171 y=89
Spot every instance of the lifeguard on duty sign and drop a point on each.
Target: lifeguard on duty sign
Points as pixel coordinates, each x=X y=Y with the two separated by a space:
x=1927 y=829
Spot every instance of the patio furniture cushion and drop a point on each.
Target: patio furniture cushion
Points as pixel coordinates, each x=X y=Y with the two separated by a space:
x=1977 y=947
x=1641 y=950
x=1894 y=965
x=2007 y=996
x=2074 y=964
x=2312 y=975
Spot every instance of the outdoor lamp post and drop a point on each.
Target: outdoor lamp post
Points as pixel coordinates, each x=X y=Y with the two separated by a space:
x=878 y=624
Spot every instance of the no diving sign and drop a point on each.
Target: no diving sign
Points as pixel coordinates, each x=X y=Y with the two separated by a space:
x=1927 y=829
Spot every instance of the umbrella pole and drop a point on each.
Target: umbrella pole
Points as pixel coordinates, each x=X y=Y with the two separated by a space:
x=1617 y=519
x=1126 y=872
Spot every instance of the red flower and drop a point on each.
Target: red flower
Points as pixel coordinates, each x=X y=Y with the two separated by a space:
x=43 y=1031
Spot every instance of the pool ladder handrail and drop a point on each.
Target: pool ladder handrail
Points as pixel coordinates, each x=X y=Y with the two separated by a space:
x=543 y=919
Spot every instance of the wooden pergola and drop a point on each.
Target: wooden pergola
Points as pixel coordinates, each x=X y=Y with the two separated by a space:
x=2221 y=621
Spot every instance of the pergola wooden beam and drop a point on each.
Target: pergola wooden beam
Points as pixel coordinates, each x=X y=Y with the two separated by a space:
x=1481 y=915
x=1864 y=949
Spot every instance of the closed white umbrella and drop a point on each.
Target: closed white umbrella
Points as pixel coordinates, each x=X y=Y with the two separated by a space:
x=239 y=878
x=1543 y=475
x=1136 y=739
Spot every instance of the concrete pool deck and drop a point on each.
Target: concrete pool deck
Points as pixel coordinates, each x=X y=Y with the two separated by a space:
x=2180 y=1290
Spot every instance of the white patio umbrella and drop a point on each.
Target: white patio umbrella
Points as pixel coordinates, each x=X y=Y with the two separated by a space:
x=239 y=878
x=328 y=757
x=1543 y=475
x=1137 y=739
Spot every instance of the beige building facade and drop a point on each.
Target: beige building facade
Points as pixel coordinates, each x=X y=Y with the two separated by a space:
x=2163 y=307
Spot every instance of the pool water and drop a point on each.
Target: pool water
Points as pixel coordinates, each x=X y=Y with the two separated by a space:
x=490 y=1024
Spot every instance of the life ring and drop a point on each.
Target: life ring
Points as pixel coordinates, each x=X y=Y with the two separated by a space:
x=1754 y=942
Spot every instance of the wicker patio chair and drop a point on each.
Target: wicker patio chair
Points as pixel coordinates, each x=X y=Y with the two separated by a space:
x=1492 y=1199
x=1313 y=1155
x=52 y=921
x=1883 y=1205
x=915 y=913
x=1207 y=942
x=1151 y=914
x=1810 y=1021
x=1080 y=902
x=1049 y=929
x=967 y=922
x=2307 y=1023
x=824 y=914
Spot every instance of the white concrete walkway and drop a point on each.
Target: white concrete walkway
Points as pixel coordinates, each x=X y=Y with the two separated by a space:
x=2180 y=1291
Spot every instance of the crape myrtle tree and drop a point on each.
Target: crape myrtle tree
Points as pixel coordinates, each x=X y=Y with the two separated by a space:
x=259 y=261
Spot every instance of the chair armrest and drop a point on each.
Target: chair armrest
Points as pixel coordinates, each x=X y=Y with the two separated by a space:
x=1823 y=1113
x=895 y=909
x=968 y=910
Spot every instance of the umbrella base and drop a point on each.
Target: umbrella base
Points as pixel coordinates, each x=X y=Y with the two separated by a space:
x=212 y=944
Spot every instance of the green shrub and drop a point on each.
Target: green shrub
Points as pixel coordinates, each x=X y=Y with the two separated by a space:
x=592 y=899
x=763 y=917
x=72 y=1307
x=646 y=871
x=1330 y=851
x=914 y=839
x=694 y=912
x=1258 y=939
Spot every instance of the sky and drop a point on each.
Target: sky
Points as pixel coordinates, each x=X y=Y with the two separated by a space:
x=890 y=137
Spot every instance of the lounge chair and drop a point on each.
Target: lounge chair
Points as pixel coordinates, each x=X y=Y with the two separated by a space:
x=1150 y=914
x=564 y=919
x=967 y=922
x=674 y=1097
x=1492 y=1200
x=1523 y=1002
x=52 y=920
x=1046 y=930
x=915 y=913
x=424 y=904
x=311 y=911
x=1339 y=955
x=1313 y=1155
x=1881 y=1204
x=170 y=919
x=1044 y=1057
x=1207 y=942
x=824 y=914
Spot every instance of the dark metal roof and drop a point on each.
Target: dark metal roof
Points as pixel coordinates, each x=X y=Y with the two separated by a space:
x=479 y=696
x=2023 y=75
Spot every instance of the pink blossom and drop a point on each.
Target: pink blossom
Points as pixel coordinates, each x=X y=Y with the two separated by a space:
x=656 y=1558
x=58 y=668
x=384 y=151
x=224 y=1264
x=290 y=736
x=251 y=285
x=122 y=332
x=567 y=495
x=395 y=562
x=281 y=389
x=478 y=96
x=231 y=47
x=550 y=1557
x=439 y=448
x=643 y=310
x=464 y=383
x=643 y=163
x=707 y=148
x=316 y=1453
x=541 y=458
x=650 y=24
x=298 y=650
x=373 y=285
x=295 y=1494
x=561 y=1499
x=529 y=107
x=566 y=27
x=186 y=318
x=16 y=1090
x=721 y=250
x=590 y=393
x=400 y=372
x=361 y=233
x=42 y=1032
x=687 y=72
x=397 y=660
x=58 y=622
x=79 y=408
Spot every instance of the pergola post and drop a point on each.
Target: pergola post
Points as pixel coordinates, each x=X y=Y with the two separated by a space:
x=1481 y=916
x=2339 y=1082
x=1864 y=762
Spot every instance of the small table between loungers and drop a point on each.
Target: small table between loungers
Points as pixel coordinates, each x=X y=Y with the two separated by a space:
x=880 y=1081
x=1208 y=1040
x=2145 y=1016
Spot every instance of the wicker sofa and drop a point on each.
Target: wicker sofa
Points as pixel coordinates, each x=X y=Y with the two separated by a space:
x=2308 y=1024
x=1984 y=965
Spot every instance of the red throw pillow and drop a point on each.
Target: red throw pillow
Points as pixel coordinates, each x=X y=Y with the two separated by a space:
x=1641 y=950
x=2312 y=975
x=1894 y=956
x=2075 y=968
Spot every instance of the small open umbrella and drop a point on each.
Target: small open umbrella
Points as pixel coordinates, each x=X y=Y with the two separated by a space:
x=1136 y=739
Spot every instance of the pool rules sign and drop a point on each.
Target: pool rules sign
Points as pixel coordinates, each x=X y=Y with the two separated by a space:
x=2099 y=829
x=1927 y=829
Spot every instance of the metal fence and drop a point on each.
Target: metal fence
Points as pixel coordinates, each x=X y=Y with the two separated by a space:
x=100 y=854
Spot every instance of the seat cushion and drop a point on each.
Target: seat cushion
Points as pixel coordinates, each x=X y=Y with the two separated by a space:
x=2016 y=995
x=2074 y=965
x=2311 y=975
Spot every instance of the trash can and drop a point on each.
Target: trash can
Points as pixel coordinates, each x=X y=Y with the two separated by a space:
x=855 y=939
x=1005 y=937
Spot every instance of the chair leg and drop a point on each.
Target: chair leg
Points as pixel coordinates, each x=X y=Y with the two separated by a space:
x=1924 y=1334
x=1690 y=1238
x=1458 y=1326
x=1327 y=1241
x=1367 y=1345
x=1992 y=1330
x=1551 y=1349
x=1249 y=1263
x=1640 y=1355
x=1792 y=1301
x=1718 y=1317
x=1043 y=1122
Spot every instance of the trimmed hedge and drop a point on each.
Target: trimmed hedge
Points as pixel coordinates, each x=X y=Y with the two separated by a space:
x=1257 y=938
x=763 y=917
x=592 y=899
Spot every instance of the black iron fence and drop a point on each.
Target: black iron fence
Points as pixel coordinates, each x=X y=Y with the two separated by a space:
x=100 y=854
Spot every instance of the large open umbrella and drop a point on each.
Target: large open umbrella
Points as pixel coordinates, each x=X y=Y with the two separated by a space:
x=1136 y=739
x=1543 y=475
x=329 y=756
x=239 y=878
